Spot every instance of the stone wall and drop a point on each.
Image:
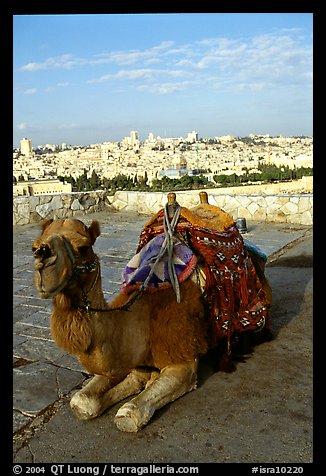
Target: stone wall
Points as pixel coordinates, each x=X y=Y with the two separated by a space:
x=288 y=208
x=292 y=208
x=64 y=205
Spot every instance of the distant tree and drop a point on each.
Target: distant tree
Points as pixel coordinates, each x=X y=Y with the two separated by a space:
x=68 y=179
x=222 y=178
x=95 y=181
x=82 y=182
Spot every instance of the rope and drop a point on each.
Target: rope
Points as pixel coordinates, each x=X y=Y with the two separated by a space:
x=167 y=246
x=169 y=232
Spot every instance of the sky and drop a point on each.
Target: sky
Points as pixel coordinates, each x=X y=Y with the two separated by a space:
x=85 y=79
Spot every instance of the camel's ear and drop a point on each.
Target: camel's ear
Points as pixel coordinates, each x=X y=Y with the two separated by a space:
x=45 y=224
x=94 y=231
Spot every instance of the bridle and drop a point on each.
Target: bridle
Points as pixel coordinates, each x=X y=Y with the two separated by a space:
x=89 y=267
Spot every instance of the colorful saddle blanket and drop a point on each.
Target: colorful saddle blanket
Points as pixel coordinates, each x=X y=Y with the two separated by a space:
x=140 y=266
x=233 y=291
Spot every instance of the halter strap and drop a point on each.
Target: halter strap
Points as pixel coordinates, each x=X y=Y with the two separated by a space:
x=81 y=268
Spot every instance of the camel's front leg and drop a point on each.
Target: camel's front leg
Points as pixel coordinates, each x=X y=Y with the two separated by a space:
x=173 y=382
x=98 y=395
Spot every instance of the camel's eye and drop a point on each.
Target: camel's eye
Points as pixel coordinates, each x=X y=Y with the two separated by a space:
x=82 y=250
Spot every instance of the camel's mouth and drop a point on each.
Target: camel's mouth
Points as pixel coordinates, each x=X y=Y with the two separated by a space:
x=45 y=288
x=47 y=294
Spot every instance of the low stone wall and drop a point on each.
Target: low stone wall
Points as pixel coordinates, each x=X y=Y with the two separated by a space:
x=64 y=205
x=290 y=208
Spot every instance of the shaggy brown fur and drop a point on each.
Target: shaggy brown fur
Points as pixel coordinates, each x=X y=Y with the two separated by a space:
x=155 y=345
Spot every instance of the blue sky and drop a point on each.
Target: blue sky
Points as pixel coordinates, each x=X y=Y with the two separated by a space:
x=83 y=79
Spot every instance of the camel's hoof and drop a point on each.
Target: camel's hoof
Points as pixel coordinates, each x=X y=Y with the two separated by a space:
x=85 y=407
x=128 y=418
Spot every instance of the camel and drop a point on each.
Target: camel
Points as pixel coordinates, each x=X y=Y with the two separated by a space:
x=145 y=343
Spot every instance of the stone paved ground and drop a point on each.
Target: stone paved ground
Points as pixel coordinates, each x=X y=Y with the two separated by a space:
x=262 y=412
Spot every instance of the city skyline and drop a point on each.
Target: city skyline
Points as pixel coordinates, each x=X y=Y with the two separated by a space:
x=82 y=79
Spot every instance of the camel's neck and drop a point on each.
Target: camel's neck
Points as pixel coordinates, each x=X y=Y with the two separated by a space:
x=72 y=325
x=85 y=289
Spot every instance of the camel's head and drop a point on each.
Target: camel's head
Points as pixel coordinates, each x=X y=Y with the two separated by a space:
x=63 y=250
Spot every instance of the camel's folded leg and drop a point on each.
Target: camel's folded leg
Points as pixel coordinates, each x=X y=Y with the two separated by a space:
x=98 y=395
x=173 y=382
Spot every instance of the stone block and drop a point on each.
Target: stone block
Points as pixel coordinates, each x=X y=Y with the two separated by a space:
x=272 y=208
x=21 y=220
x=252 y=208
x=153 y=200
x=244 y=201
x=306 y=218
x=23 y=209
x=87 y=201
x=294 y=199
x=40 y=384
x=62 y=213
x=218 y=200
x=290 y=208
x=231 y=205
x=29 y=330
x=44 y=210
x=56 y=202
x=20 y=420
x=119 y=204
x=243 y=213
x=304 y=204
x=271 y=199
x=45 y=199
x=39 y=350
x=67 y=200
x=34 y=201
x=124 y=196
x=20 y=200
x=76 y=205
x=34 y=217
x=260 y=214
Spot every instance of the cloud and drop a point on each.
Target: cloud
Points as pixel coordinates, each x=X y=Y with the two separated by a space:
x=22 y=126
x=132 y=56
x=137 y=74
x=66 y=61
x=52 y=89
x=165 y=88
x=262 y=61
x=69 y=61
x=30 y=91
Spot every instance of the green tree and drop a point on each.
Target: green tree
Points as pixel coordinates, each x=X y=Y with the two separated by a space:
x=95 y=181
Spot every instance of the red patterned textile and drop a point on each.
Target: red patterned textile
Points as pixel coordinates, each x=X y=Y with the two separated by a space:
x=235 y=296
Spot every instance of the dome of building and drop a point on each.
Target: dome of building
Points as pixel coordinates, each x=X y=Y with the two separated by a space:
x=179 y=162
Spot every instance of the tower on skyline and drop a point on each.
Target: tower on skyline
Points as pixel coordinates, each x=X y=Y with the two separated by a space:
x=26 y=147
x=134 y=141
x=192 y=136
